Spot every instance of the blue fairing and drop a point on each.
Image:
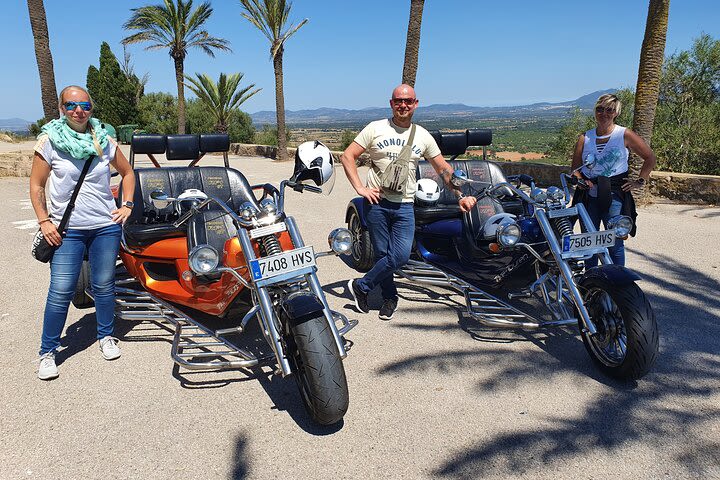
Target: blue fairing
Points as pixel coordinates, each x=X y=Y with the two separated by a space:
x=360 y=205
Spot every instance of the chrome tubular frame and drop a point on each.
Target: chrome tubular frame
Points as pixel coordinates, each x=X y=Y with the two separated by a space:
x=483 y=307
x=194 y=346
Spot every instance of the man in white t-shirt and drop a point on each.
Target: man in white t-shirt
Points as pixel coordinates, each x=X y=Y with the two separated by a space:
x=390 y=215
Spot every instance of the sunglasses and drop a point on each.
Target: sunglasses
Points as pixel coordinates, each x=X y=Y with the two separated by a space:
x=605 y=110
x=70 y=106
x=406 y=101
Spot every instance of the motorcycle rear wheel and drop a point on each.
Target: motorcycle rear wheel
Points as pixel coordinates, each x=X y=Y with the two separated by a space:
x=626 y=343
x=318 y=370
x=80 y=298
x=362 y=252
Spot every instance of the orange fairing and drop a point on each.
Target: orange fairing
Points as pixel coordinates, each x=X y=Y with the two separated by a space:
x=212 y=297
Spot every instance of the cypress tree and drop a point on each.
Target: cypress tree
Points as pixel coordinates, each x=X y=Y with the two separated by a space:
x=113 y=92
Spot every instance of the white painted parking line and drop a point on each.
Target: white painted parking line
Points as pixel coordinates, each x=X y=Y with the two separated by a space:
x=25 y=224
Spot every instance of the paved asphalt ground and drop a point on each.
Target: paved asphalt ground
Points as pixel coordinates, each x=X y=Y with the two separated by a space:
x=433 y=395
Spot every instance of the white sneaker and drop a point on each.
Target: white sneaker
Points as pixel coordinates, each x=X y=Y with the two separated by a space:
x=47 y=370
x=109 y=348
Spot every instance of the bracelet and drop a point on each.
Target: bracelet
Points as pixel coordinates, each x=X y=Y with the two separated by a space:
x=44 y=220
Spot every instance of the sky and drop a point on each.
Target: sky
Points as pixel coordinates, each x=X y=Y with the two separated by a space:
x=350 y=54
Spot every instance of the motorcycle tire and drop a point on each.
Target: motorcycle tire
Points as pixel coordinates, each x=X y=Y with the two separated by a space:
x=620 y=313
x=82 y=299
x=362 y=251
x=318 y=370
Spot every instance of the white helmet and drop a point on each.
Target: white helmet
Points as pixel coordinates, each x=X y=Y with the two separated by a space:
x=313 y=162
x=427 y=193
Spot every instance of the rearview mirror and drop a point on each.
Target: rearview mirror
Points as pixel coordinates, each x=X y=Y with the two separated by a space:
x=159 y=199
x=459 y=178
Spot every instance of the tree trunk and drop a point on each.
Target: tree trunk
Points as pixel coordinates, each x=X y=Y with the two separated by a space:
x=38 y=23
x=280 y=106
x=649 y=74
x=181 y=93
x=412 y=44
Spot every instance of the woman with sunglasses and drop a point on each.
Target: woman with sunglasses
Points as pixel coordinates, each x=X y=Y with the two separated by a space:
x=604 y=151
x=93 y=228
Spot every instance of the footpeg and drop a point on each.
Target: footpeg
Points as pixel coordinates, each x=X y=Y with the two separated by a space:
x=521 y=294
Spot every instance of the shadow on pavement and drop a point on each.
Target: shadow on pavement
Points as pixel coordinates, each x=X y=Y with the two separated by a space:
x=241 y=467
x=664 y=410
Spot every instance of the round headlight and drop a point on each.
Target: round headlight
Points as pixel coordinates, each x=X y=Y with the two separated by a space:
x=555 y=194
x=508 y=235
x=539 y=195
x=340 y=240
x=203 y=259
x=622 y=225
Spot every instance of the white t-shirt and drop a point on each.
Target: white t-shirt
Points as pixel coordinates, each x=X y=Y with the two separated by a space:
x=383 y=141
x=94 y=200
x=611 y=161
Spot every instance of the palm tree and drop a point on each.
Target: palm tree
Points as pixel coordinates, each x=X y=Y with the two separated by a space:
x=220 y=98
x=270 y=17
x=38 y=23
x=649 y=73
x=177 y=28
x=412 y=44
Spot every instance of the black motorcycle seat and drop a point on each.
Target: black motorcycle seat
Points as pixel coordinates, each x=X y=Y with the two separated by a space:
x=447 y=207
x=148 y=224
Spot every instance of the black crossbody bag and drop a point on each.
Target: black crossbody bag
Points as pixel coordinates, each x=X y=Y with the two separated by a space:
x=42 y=251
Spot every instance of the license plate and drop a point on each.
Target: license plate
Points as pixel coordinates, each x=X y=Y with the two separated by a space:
x=581 y=242
x=282 y=263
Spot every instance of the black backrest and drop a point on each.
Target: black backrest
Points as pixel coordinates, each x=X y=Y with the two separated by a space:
x=214 y=142
x=227 y=184
x=479 y=137
x=148 y=143
x=183 y=147
x=457 y=143
x=453 y=143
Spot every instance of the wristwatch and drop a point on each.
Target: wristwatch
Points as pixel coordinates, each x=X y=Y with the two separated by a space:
x=128 y=204
x=641 y=180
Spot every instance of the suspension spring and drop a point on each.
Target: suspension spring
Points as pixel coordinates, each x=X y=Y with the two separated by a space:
x=271 y=245
x=563 y=226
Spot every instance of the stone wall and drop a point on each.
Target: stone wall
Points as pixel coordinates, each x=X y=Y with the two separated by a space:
x=15 y=164
x=681 y=187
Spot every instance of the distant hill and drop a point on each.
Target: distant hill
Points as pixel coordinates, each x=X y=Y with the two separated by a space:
x=433 y=114
x=14 y=125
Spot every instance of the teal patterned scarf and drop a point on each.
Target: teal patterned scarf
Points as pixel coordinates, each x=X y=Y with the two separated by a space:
x=77 y=145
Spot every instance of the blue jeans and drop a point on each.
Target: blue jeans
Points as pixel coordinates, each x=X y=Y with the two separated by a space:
x=102 y=246
x=391 y=226
x=617 y=253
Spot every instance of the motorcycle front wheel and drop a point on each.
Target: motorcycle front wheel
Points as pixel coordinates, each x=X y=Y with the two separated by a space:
x=318 y=370
x=626 y=343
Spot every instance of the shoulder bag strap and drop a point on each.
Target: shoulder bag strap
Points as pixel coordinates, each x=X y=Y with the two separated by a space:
x=71 y=203
x=406 y=152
